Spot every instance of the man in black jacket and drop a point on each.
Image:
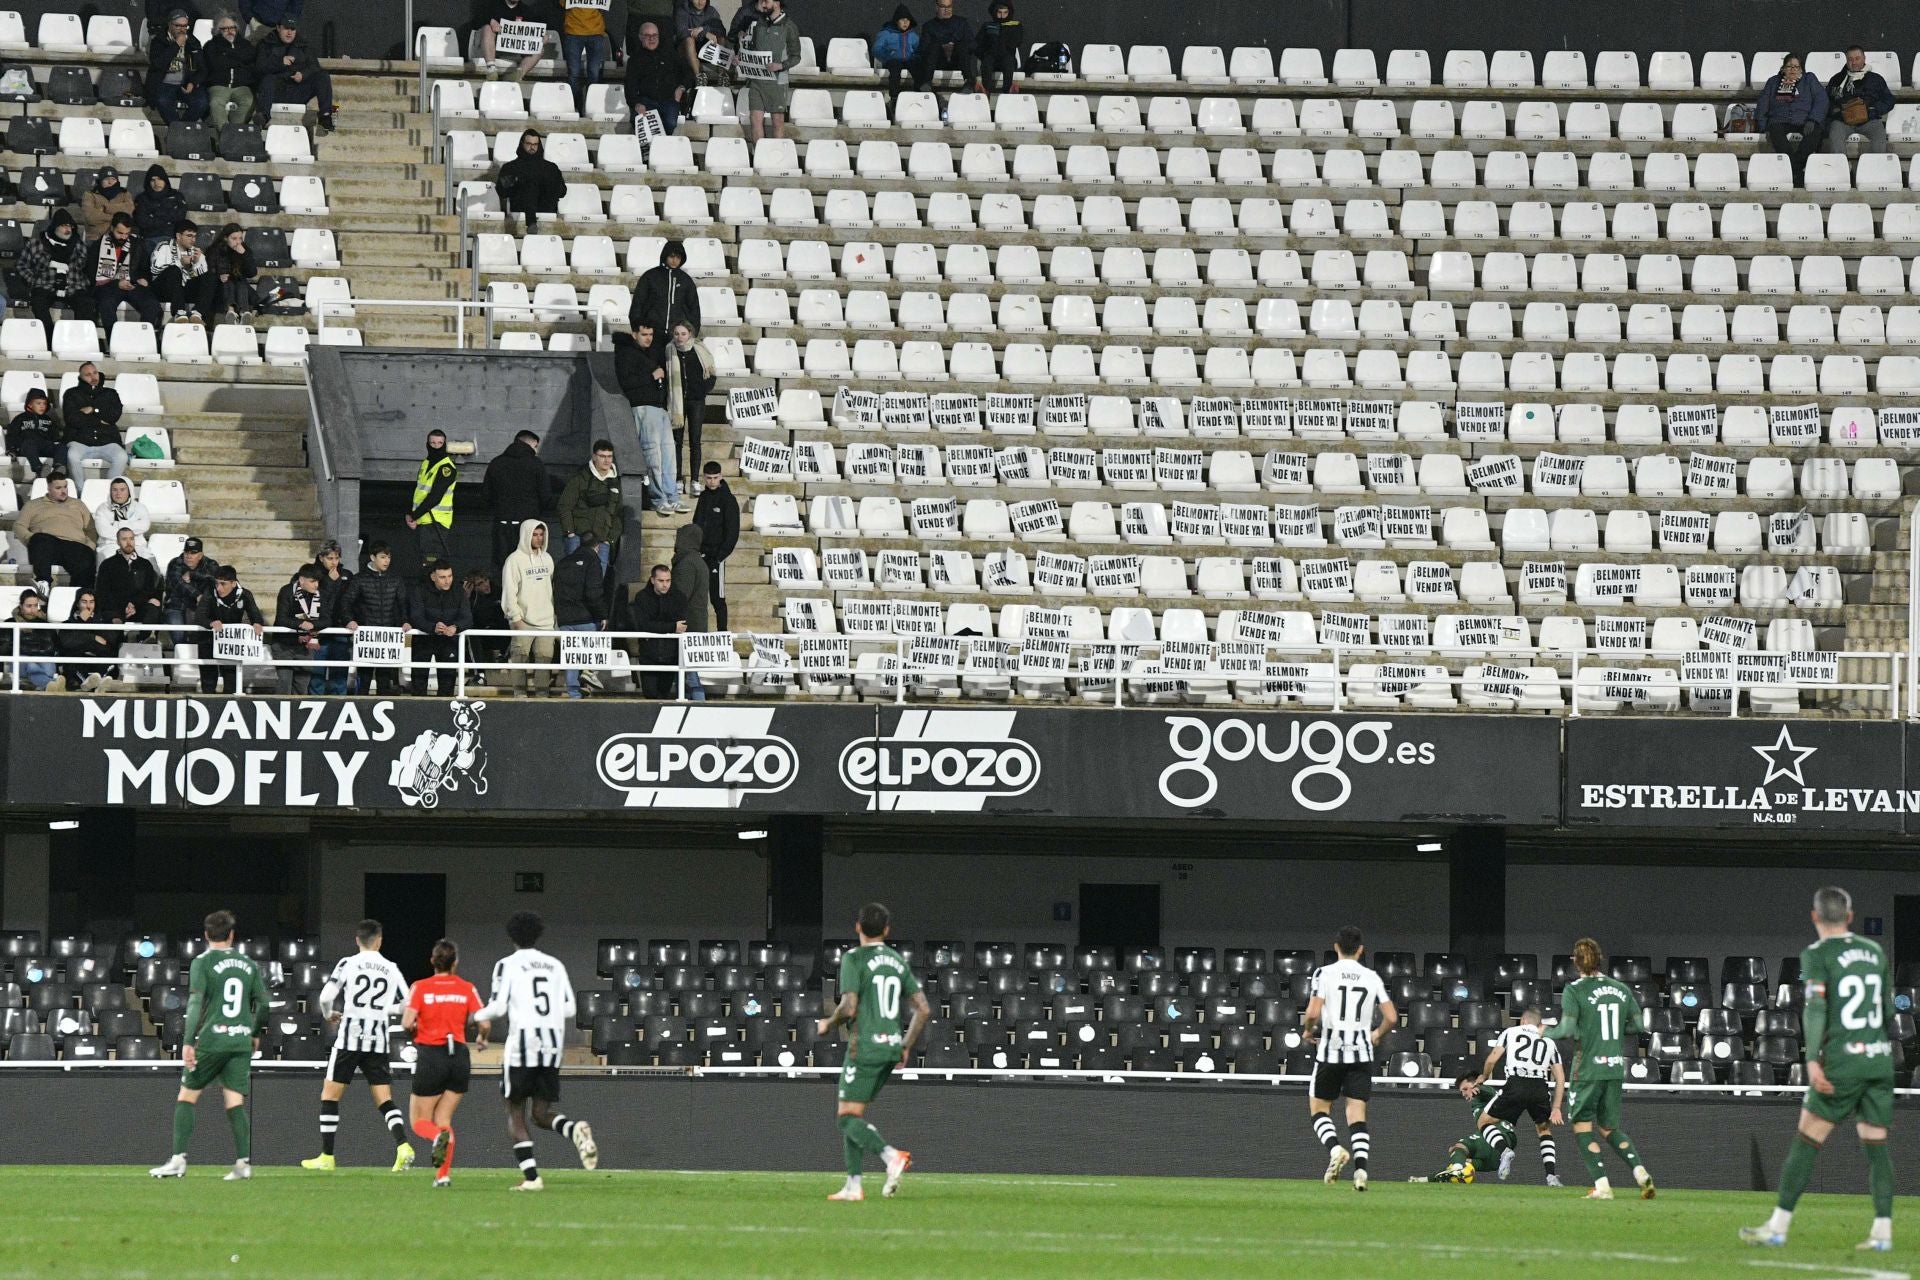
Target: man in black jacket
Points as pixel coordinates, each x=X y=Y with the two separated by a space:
x=666 y=294
x=176 y=72
x=377 y=597
x=440 y=614
x=302 y=611
x=659 y=610
x=228 y=605
x=578 y=597
x=530 y=183
x=658 y=78
x=946 y=44
x=718 y=515
x=121 y=270
x=1002 y=50
x=290 y=73
x=126 y=587
x=639 y=362
x=1876 y=103
x=518 y=489
x=90 y=416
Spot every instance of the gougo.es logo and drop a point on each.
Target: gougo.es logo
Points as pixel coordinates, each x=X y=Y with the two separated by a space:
x=1326 y=747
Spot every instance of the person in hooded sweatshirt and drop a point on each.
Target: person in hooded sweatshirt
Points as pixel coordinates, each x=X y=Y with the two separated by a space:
x=717 y=512
x=530 y=183
x=579 y=602
x=53 y=266
x=33 y=435
x=107 y=197
x=896 y=48
x=665 y=295
x=639 y=362
x=526 y=597
x=120 y=511
x=1001 y=48
x=158 y=209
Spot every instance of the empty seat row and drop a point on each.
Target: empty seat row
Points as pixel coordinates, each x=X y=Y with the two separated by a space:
x=542 y=100
x=1684 y=222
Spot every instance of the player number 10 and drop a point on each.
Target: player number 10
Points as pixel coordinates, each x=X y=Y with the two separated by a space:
x=888 y=990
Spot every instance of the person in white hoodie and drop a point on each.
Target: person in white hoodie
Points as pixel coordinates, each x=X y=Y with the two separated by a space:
x=526 y=596
x=120 y=511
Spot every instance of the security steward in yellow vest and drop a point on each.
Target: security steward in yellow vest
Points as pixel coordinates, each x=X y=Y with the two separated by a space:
x=431 y=517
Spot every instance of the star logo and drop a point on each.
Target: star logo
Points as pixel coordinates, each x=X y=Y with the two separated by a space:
x=1784 y=759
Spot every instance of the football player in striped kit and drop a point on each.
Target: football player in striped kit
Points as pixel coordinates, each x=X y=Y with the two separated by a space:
x=359 y=996
x=1532 y=1060
x=1339 y=1022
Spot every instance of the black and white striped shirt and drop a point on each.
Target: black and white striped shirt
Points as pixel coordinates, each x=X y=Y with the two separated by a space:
x=364 y=988
x=532 y=991
x=1350 y=994
x=1529 y=1054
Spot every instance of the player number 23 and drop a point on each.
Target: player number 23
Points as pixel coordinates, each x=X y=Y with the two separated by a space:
x=1862 y=997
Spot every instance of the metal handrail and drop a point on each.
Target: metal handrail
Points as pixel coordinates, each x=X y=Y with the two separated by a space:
x=485 y=308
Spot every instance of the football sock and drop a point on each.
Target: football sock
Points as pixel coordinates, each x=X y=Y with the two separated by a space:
x=1549 y=1157
x=854 y=1155
x=1361 y=1142
x=329 y=1125
x=561 y=1125
x=1797 y=1171
x=1624 y=1146
x=523 y=1156
x=182 y=1127
x=242 y=1132
x=1589 y=1144
x=446 y=1165
x=863 y=1135
x=1880 y=1179
x=427 y=1129
x=1496 y=1138
x=1323 y=1129
x=396 y=1124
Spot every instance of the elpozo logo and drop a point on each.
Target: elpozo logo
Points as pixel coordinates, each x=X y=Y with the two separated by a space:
x=1327 y=748
x=939 y=773
x=673 y=767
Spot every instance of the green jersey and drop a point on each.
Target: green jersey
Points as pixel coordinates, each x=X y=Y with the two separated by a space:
x=883 y=982
x=226 y=1002
x=1849 y=1007
x=1599 y=1012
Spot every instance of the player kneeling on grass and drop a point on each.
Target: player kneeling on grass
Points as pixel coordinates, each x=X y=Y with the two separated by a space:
x=226 y=1006
x=437 y=1014
x=1531 y=1060
x=874 y=979
x=359 y=995
x=1849 y=1006
x=1475 y=1153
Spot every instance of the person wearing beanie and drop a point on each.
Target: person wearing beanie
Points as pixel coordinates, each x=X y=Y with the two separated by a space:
x=51 y=266
x=896 y=48
x=431 y=515
x=33 y=435
x=106 y=197
x=290 y=73
x=176 y=72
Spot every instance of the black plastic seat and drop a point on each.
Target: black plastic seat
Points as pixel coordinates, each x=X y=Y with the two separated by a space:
x=1690 y=1071
x=80 y=1048
x=1514 y=965
x=1716 y=1022
x=42 y=186
x=1631 y=969
x=1293 y=964
x=952 y=1056
x=1690 y=969
x=714 y=952
x=243 y=144
x=609 y=1030
x=946 y=955
x=1409 y=1066
x=609 y=954
x=761 y=954
x=701 y=1004
x=120 y=87
x=1225 y=1011
x=1426 y=1015
x=30 y=1048
x=1444 y=1042
x=1045 y=956
x=137 y=1049
x=995 y=955
x=1743 y=969
x=1395 y=964
x=71 y=87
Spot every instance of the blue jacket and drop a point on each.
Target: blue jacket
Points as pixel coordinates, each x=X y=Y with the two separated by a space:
x=895 y=45
x=1808 y=107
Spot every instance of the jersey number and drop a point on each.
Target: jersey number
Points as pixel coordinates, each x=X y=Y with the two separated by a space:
x=1531 y=1050
x=888 y=990
x=233 y=994
x=541 y=1004
x=1609 y=1015
x=1353 y=1003
x=369 y=990
x=1862 y=1009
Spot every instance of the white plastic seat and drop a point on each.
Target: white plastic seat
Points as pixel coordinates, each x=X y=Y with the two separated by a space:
x=1300 y=66
x=1409 y=69
x=1564 y=69
x=290 y=144
x=82 y=136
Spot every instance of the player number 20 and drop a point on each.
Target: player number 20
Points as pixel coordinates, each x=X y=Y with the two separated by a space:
x=233 y=992
x=888 y=991
x=1862 y=996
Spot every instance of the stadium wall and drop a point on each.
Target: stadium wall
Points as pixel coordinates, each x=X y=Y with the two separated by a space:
x=116 y=1117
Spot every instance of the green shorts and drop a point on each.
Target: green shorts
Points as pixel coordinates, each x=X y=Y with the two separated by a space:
x=232 y=1068
x=769 y=96
x=1868 y=1101
x=1594 y=1100
x=862 y=1081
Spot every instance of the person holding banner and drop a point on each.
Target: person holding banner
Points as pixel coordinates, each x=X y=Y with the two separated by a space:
x=228 y=605
x=584 y=44
x=696 y=26
x=776 y=36
x=579 y=603
x=517 y=11
x=377 y=597
x=657 y=81
x=301 y=611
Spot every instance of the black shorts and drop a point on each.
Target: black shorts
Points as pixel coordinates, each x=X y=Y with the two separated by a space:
x=441 y=1069
x=1522 y=1097
x=373 y=1064
x=530 y=1082
x=1353 y=1079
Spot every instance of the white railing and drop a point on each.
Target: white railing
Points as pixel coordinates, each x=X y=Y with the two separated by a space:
x=1913 y=609
x=482 y=309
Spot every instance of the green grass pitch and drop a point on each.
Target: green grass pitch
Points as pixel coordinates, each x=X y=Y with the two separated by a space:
x=68 y=1223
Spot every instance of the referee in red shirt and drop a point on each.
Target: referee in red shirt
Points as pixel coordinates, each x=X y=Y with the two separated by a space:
x=437 y=1014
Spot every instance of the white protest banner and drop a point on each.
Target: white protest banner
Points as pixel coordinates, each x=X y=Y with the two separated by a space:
x=1709 y=475
x=1709 y=679
x=1406 y=526
x=586 y=649
x=814 y=460
x=970 y=464
x=1262 y=626
x=934 y=655
x=1795 y=424
x=1127 y=468
x=379 y=646
x=1405 y=631
x=1611 y=581
x=934 y=518
x=1015 y=465
x=751 y=64
x=1479 y=632
x=1273 y=576
x=1161 y=416
x=1557 y=472
x=1067 y=414
x=1196 y=522
x=773 y=665
x=1042 y=655
x=647 y=126
x=953 y=411
x=1185 y=467
x=1752 y=669
x=872 y=463
x=819 y=655
x=1320 y=417
x=1186 y=657
x=1693 y=423
x=1617 y=685
x=1789 y=532
x=1900 y=426
x=807 y=615
x=867 y=617
x=1346 y=630
x=1114 y=573
x=1214 y=416
x=1327 y=579
x=703 y=650
x=917 y=463
x=715 y=54
x=1502 y=682
x=1620 y=635
x=1500 y=473
x=237 y=643
x=1398 y=679
x=1288 y=680
x=765 y=459
x=1055 y=572
x=1241 y=658
x=905 y=411
x=1074 y=468
x=1543 y=578
x=1389 y=471
x=1282 y=470
x=602 y=5
x=1431 y=581
x=1721 y=632
x=1684 y=530
x=988 y=656
x=1011 y=414
x=845 y=568
x=1807 y=666
x=1706 y=585
x=855 y=408
x=1298 y=526
x=919 y=617
x=1356 y=525
x=1037 y=517
x=1372 y=419
x=899 y=569
x=1266 y=416
x=1245 y=523
x=1480 y=420
x=790 y=569
x=520 y=39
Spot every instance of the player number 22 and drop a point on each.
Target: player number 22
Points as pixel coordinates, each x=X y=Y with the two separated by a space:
x=232 y=992
x=1862 y=996
x=888 y=990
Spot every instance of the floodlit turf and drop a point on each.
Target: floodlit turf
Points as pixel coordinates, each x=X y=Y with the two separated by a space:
x=71 y=1223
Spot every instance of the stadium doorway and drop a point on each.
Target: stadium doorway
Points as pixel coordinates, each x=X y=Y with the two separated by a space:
x=1119 y=916
x=1906 y=935
x=412 y=906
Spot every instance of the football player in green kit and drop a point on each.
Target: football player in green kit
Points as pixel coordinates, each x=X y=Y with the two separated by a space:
x=1599 y=1012
x=226 y=1007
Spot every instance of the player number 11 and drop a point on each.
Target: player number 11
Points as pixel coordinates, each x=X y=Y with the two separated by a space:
x=1609 y=1021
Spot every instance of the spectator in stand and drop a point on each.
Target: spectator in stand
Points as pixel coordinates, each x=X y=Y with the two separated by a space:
x=52 y=266
x=289 y=73
x=431 y=516
x=337 y=647
x=896 y=49
x=658 y=609
x=104 y=643
x=300 y=616
x=228 y=605
x=1860 y=102
x=90 y=417
x=530 y=183
x=518 y=489
x=158 y=209
x=33 y=435
x=946 y=44
x=37 y=645
x=58 y=531
x=772 y=32
x=440 y=614
x=261 y=16
x=122 y=272
x=107 y=197
x=584 y=44
x=591 y=504
x=377 y=597
x=1792 y=102
x=690 y=578
x=499 y=11
x=697 y=24
x=183 y=279
x=1001 y=49
x=690 y=380
x=657 y=78
x=234 y=269
x=579 y=600
x=189 y=577
x=665 y=295
x=231 y=74
x=527 y=599
x=483 y=602
x=121 y=511
x=128 y=586
x=640 y=365
x=717 y=512
x=177 y=72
